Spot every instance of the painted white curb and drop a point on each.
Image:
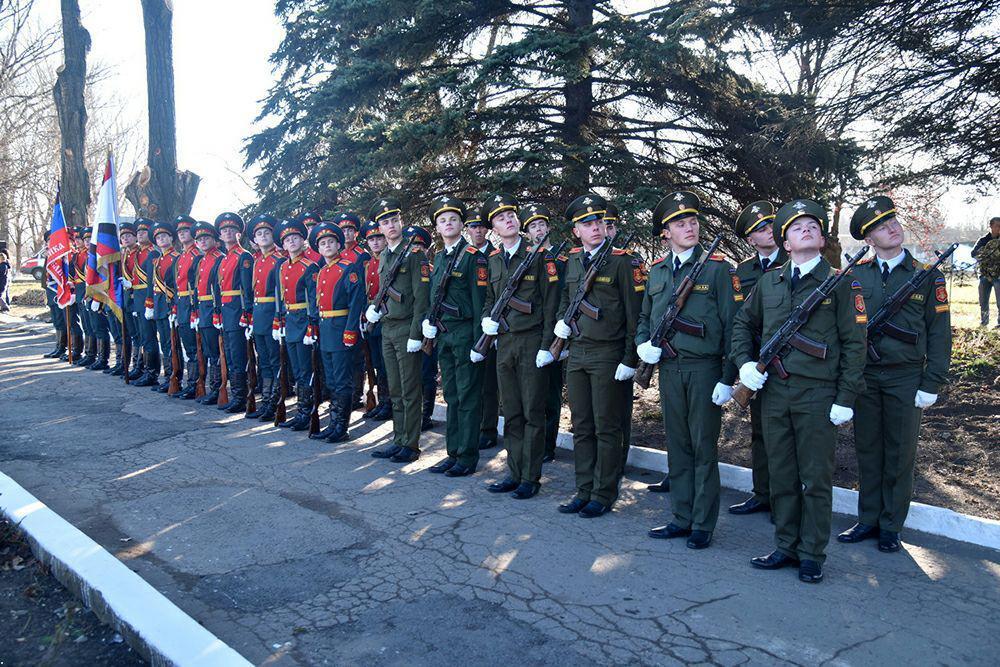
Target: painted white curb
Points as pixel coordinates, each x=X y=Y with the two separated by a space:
x=926 y=518
x=152 y=624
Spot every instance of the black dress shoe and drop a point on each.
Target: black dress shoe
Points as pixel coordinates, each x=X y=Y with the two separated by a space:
x=857 y=533
x=700 y=539
x=773 y=561
x=888 y=541
x=459 y=470
x=810 y=572
x=443 y=466
x=525 y=490
x=548 y=458
x=386 y=453
x=663 y=486
x=405 y=455
x=487 y=442
x=593 y=509
x=502 y=486
x=573 y=506
x=669 y=531
x=749 y=506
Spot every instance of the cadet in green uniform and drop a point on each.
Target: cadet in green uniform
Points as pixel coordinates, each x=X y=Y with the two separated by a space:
x=754 y=224
x=463 y=307
x=602 y=359
x=522 y=347
x=401 y=335
x=477 y=231
x=535 y=224
x=695 y=384
x=904 y=380
x=800 y=414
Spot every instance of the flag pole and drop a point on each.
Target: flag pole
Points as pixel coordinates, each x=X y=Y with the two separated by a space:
x=69 y=337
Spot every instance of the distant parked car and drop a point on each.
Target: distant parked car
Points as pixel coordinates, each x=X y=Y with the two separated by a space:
x=35 y=265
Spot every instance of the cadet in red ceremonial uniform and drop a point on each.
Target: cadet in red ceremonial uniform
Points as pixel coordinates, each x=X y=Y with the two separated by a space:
x=235 y=290
x=265 y=281
x=184 y=269
x=206 y=319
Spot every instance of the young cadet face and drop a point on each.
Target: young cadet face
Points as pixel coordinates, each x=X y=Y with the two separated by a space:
x=142 y=236
x=537 y=229
x=350 y=235
x=477 y=235
x=449 y=226
x=329 y=247
x=391 y=227
x=184 y=236
x=293 y=244
x=205 y=242
x=505 y=224
x=886 y=236
x=228 y=235
x=804 y=235
x=376 y=242
x=762 y=239
x=612 y=228
x=127 y=239
x=995 y=227
x=682 y=233
x=164 y=240
x=264 y=238
x=591 y=233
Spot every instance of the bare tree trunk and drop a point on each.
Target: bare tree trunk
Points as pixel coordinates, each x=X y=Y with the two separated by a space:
x=159 y=191
x=579 y=94
x=68 y=92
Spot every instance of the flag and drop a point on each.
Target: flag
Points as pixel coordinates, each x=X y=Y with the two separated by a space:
x=57 y=257
x=104 y=283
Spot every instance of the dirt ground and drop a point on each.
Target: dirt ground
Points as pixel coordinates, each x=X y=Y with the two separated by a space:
x=42 y=623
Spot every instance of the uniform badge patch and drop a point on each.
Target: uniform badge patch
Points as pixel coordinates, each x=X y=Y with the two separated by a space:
x=637 y=275
x=939 y=280
x=354 y=277
x=737 y=286
x=550 y=268
x=941 y=293
x=855 y=285
x=859 y=303
x=425 y=270
x=481 y=273
x=246 y=263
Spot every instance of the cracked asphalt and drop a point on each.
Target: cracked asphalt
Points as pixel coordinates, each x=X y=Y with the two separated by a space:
x=298 y=553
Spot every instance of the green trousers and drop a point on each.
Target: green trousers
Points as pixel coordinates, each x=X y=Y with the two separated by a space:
x=491 y=397
x=692 y=423
x=758 y=455
x=462 y=382
x=403 y=372
x=886 y=425
x=628 y=401
x=595 y=402
x=553 y=403
x=800 y=442
x=522 y=392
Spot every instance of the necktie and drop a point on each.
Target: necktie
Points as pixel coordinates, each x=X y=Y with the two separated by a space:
x=796 y=276
x=677 y=266
x=587 y=260
x=885 y=272
x=764 y=263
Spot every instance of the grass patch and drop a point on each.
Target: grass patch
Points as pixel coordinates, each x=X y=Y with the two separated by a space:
x=975 y=355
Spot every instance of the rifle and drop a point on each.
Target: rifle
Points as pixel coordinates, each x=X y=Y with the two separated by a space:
x=507 y=300
x=317 y=385
x=788 y=337
x=199 y=385
x=224 y=369
x=279 y=411
x=251 y=373
x=386 y=290
x=578 y=304
x=175 y=361
x=672 y=322
x=880 y=325
x=370 y=372
x=439 y=307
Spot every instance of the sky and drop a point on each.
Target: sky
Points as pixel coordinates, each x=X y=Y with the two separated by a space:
x=221 y=75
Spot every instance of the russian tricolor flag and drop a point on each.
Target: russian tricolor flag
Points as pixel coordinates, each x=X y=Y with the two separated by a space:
x=104 y=282
x=57 y=255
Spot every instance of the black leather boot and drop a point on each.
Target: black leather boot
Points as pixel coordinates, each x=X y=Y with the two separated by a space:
x=305 y=400
x=103 y=352
x=60 y=347
x=213 y=382
x=90 y=352
x=239 y=394
x=138 y=364
x=191 y=370
x=119 y=363
x=152 y=373
x=340 y=415
x=266 y=385
x=427 y=423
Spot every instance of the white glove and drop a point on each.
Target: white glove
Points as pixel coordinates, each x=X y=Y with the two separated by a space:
x=308 y=340
x=430 y=331
x=475 y=357
x=96 y=306
x=184 y=354
x=649 y=353
x=218 y=325
x=194 y=325
x=722 y=394
x=248 y=332
x=127 y=284
x=623 y=373
x=277 y=334
x=924 y=400
x=490 y=327
x=562 y=330
x=413 y=345
x=752 y=378
x=172 y=319
x=840 y=415
x=543 y=358
x=564 y=355
x=372 y=314
x=148 y=314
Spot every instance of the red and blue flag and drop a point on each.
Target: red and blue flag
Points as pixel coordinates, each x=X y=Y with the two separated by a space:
x=104 y=282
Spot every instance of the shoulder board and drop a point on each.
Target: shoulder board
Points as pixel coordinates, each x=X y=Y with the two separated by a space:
x=344 y=262
x=916 y=263
x=658 y=260
x=562 y=258
x=619 y=251
x=717 y=257
x=866 y=260
x=307 y=261
x=495 y=252
x=576 y=250
x=471 y=250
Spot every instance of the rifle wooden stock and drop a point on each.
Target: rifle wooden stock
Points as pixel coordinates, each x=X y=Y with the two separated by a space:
x=386 y=290
x=199 y=387
x=395 y=294
x=520 y=305
x=175 y=362
x=482 y=345
x=251 y=376
x=557 y=347
x=317 y=386
x=279 y=410
x=126 y=345
x=644 y=374
x=224 y=368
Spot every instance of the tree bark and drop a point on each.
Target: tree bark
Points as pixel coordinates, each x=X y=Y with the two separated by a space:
x=159 y=191
x=578 y=91
x=72 y=112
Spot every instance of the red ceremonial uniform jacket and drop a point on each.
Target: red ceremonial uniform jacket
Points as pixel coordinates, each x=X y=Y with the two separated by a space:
x=163 y=284
x=183 y=279
x=296 y=295
x=340 y=297
x=264 y=285
x=205 y=287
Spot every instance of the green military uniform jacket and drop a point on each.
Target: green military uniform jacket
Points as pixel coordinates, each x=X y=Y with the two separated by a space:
x=413 y=283
x=839 y=322
x=713 y=302
x=616 y=293
x=539 y=287
x=926 y=312
x=749 y=271
x=466 y=290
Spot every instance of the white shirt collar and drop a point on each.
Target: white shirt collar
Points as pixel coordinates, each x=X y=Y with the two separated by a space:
x=806 y=267
x=770 y=258
x=392 y=248
x=484 y=247
x=683 y=256
x=513 y=249
x=894 y=262
x=448 y=249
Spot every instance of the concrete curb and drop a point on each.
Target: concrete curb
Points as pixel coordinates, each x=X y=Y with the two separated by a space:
x=151 y=624
x=926 y=518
